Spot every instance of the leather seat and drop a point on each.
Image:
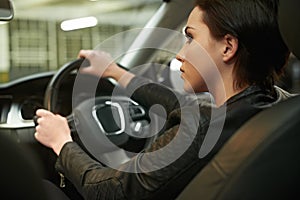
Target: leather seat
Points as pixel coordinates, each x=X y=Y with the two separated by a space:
x=20 y=173
x=261 y=160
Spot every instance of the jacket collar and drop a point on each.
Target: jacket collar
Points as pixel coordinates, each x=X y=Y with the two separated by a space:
x=249 y=91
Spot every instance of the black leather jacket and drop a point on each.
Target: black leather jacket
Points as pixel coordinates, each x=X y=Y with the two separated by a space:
x=195 y=131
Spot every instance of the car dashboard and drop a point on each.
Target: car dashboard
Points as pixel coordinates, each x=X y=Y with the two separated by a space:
x=20 y=99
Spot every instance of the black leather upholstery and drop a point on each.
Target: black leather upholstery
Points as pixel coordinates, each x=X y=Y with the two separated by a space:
x=20 y=174
x=261 y=161
x=289 y=24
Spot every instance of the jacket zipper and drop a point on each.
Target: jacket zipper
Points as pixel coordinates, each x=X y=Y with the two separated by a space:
x=62 y=180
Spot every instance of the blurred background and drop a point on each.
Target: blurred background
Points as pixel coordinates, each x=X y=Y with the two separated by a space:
x=43 y=35
x=46 y=34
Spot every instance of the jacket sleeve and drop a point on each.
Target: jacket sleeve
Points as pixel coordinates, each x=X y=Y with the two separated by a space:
x=144 y=175
x=148 y=93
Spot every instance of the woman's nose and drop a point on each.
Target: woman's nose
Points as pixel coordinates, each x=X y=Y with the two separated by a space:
x=180 y=55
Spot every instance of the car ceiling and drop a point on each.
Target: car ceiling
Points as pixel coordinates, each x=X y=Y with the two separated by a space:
x=105 y=10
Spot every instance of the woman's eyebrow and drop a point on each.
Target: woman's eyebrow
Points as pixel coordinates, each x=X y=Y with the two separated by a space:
x=186 y=28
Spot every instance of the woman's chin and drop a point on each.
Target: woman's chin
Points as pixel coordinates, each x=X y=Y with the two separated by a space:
x=187 y=88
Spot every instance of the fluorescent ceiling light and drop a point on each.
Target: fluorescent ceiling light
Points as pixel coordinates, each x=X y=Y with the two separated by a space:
x=79 y=23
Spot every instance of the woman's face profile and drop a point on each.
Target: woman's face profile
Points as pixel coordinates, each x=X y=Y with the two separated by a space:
x=199 y=55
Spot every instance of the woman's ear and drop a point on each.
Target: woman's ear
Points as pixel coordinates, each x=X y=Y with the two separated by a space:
x=230 y=47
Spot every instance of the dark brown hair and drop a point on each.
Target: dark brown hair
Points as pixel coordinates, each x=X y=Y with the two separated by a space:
x=262 y=53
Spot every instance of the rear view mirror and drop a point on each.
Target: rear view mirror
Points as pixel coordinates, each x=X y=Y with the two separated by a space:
x=6 y=10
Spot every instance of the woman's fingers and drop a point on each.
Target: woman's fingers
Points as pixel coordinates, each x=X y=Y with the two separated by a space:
x=43 y=113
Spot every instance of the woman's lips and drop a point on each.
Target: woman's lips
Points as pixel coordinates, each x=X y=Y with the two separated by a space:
x=181 y=69
x=182 y=73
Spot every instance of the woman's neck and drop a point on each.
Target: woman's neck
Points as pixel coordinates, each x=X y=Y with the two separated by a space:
x=225 y=91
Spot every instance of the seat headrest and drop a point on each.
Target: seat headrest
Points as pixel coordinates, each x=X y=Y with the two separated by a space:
x=289 y=24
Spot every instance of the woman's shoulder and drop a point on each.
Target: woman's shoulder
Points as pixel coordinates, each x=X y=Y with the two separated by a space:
x=268 y=98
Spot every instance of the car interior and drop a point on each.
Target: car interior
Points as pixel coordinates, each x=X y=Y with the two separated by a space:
x=260 y=161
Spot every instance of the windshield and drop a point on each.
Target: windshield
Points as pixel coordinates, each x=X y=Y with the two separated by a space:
x=43 y=34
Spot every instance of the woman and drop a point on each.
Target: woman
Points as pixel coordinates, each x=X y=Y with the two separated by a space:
x=242 y=39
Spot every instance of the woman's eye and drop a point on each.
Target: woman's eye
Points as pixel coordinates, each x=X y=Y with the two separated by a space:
x=189 y=38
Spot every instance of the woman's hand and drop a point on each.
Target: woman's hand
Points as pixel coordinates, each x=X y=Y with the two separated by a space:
x=102 y=65
x=52 y=130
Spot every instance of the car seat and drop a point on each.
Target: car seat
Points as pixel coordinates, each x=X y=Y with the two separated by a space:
x=261 y=160
x=20 y=175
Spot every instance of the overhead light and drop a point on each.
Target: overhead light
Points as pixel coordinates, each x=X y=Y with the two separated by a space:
x=79 y=23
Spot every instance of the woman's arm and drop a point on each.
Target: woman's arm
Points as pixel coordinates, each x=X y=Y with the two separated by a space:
x=142 y=90
x=165 y=168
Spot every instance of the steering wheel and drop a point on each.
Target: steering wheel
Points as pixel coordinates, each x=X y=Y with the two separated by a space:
x=101 y=125
x=50 y=98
